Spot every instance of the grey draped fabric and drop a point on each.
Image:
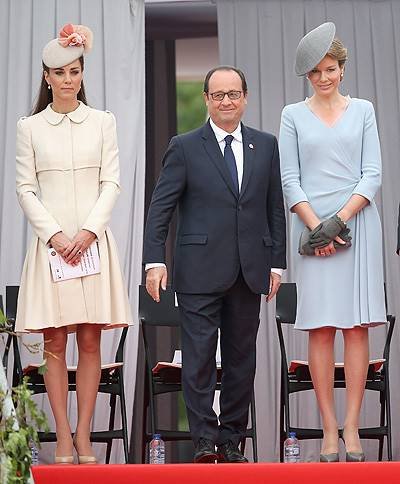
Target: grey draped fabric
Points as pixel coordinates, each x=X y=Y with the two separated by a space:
x=114 y=80
x=260 y=37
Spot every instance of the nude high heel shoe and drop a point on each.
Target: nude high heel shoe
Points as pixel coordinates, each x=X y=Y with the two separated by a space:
x=65 y=459
x=85 y=459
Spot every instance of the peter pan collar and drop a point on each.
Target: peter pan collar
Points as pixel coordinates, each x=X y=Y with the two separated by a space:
x=77 y=116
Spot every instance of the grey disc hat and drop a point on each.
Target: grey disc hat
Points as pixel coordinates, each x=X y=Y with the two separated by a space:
x=313 y=47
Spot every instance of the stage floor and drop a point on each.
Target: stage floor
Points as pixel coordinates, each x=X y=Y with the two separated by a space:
x=336 y=473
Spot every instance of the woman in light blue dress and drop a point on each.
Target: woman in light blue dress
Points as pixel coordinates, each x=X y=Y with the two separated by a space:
x=331 y=170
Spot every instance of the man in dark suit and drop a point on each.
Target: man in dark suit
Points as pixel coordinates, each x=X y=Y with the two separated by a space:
x=225 y=179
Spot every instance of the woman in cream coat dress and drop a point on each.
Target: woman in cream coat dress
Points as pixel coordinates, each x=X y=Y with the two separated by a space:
x=67 y=185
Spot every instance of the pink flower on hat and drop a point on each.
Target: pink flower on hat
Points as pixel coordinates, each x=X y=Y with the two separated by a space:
x=76 y=36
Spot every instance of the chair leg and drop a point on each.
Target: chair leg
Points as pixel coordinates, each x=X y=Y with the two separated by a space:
x=388 y=417
x=281 y=428
x=281 y=441
x=285 y=412
x=153 y=416
x=243 y=445
x=380 y=450
x=113 y=400
x=255 y=451
x=254 y=427
x=144 y=432
x=144 y=448
x=123 y=416
x=382 y=424
x=145 y=418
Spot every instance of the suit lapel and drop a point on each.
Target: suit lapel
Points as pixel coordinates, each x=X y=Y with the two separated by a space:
x=249 y=149
x=214 y=152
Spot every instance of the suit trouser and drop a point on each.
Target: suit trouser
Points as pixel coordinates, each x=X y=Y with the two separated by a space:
x=236 y=313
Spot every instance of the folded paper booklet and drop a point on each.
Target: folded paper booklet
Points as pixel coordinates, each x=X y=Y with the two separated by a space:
x=177 y=362
x=89 y=264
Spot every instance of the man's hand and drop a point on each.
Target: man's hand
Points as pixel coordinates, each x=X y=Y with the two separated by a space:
x=155 y=278
x=73 y=253
x=274 y=283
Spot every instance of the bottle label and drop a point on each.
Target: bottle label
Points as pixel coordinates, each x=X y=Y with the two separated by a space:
x=292 y=451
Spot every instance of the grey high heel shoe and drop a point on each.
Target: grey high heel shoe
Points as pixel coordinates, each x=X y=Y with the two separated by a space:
x=355 y=457
x=333 y=457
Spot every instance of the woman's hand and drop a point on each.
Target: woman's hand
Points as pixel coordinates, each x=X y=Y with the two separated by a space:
x=329 y=249
x=77 y=246
x=60 y=242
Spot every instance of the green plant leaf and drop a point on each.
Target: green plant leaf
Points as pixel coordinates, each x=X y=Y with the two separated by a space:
x=16 y=443
x=42 y=368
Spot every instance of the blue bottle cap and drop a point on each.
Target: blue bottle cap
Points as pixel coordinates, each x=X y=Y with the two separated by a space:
x=156 y=436
x=292 y=435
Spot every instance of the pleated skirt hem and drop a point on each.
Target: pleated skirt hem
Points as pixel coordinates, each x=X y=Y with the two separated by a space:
x=308 y=327
x=72 y=327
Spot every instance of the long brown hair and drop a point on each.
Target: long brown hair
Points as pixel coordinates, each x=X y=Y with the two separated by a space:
x=45 y=95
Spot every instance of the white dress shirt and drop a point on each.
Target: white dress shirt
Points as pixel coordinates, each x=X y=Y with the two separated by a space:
x=237 y=148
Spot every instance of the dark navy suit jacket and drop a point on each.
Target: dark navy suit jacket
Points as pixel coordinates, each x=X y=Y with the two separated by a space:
x=218 y=231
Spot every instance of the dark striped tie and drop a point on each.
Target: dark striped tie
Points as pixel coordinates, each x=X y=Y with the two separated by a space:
x=231 y=161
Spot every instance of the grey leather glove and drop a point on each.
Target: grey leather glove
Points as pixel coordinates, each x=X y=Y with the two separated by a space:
x=326 y=231
x=305 y=247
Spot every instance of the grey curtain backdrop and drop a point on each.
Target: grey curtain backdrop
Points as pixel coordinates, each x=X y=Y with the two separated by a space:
x=114 y=78
x=261 y=36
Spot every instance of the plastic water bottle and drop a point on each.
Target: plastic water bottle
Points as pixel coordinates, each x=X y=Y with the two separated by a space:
x=291 y=449
x=157 y=450
x=34 y=453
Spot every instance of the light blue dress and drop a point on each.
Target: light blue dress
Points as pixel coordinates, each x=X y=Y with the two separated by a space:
x=325 y=166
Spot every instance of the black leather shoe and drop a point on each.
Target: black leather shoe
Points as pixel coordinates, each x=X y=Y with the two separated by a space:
x=229 y=452
x=205 y=452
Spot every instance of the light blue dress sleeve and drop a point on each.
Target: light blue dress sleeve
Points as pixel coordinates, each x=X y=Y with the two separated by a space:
x=370 y=157
x=290 y=163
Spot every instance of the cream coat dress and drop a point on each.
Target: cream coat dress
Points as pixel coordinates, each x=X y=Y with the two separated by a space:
x=67 y=180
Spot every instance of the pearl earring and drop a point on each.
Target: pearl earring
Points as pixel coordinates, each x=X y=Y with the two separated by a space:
x=48 y=87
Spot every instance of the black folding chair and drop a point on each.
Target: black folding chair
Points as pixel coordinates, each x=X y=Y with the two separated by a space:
x=11 y=341
x=295 y=378
x=111 y=382
x=162 y=379
x=7 y=338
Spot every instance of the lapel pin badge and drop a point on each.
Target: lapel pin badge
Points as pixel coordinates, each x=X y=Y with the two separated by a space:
x=251 y=146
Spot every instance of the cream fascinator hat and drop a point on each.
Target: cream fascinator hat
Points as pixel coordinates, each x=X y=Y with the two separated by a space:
x=313 y=47
x=73 y=41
